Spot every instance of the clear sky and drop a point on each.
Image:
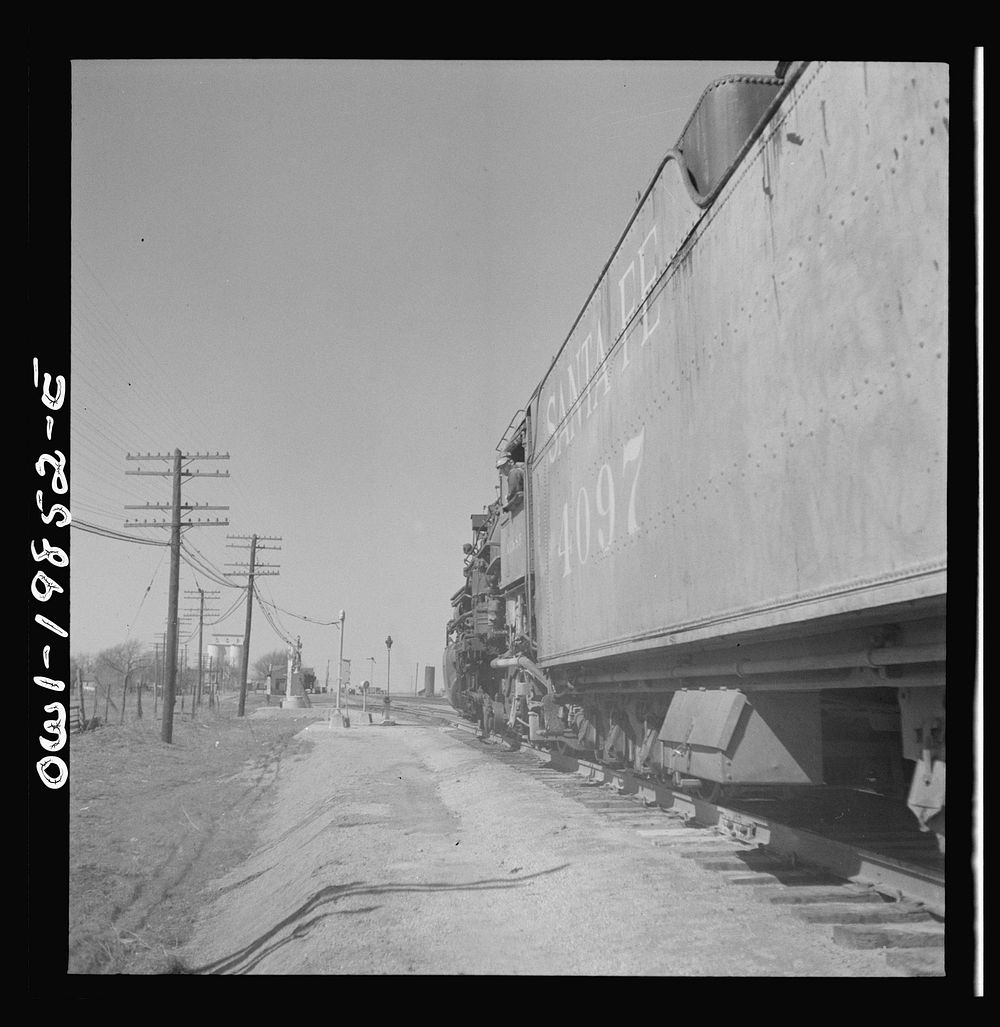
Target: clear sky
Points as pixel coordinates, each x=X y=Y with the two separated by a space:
x=348 y=275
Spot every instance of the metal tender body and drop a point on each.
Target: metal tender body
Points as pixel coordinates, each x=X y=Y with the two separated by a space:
x=728 y=565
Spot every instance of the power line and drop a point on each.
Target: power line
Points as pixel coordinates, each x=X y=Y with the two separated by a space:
x=204 y=565
x=273 y=620
x=112 y=533
x=229 y=612
x=146 y=593
x=267 y=616
x=297 y=616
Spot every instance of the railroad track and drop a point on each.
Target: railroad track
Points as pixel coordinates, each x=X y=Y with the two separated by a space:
x=850 y=860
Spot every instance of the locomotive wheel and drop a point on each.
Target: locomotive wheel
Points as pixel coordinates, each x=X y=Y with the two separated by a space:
x=511 y=741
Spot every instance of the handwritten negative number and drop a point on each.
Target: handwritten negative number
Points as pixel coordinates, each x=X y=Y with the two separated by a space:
x=604 y=504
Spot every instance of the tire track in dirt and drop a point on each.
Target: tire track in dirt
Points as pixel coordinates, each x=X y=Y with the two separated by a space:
x=173 y=874
x=132 y=912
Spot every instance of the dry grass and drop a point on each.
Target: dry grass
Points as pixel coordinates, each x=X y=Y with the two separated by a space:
x=152 y=824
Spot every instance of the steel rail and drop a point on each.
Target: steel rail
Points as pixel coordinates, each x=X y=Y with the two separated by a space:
x=884 y=873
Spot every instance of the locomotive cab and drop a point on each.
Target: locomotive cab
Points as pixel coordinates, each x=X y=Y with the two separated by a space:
x=476 y=632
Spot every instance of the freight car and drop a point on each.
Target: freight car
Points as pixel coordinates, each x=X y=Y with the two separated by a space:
x=719 y=553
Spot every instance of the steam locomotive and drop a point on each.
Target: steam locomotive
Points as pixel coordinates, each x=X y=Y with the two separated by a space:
x=718 y=557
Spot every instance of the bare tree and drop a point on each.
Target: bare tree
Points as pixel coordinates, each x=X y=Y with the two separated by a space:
x=99 y=684
x=145 y=665
x=271 y=662
x=271 y=665
x=124 y=659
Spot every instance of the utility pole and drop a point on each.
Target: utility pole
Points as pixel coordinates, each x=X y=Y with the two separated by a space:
x=213 y=595
x=175 y=524
x=340 y=662
x=253 y=568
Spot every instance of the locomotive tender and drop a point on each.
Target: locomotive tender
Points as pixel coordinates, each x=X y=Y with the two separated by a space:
x=724 y=561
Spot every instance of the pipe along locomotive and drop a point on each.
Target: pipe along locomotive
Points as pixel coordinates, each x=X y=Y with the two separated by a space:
x=718 y=556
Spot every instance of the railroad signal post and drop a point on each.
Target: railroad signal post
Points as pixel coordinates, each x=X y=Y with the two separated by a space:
x=367 y=685
x=387 y=701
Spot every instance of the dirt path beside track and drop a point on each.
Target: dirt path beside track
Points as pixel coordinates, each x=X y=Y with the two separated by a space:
x=403 y=850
